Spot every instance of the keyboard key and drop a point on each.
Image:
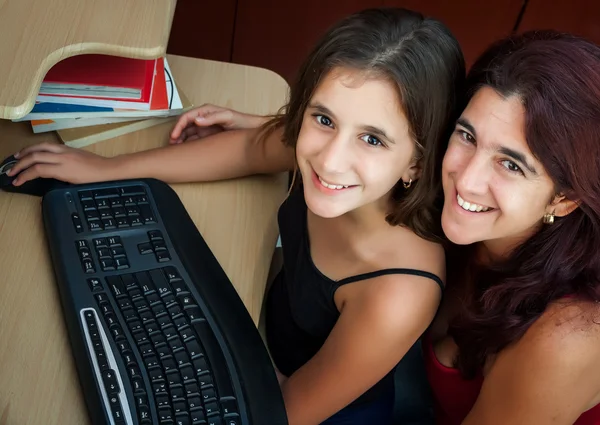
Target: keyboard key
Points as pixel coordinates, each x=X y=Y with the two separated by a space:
x=94 y=284
x=109 y=223
x=182 y=358
x=84 y=253
x=159 y=245
x=144 y=414
x=117 y=251
x=107 y=264
x=114 y=241
x=135 y=221
x=109 y=378
x=216 y=358
x=122 y=222
x=95 y=225
x=121 y=263
x=145 y=248
x=155 y=235
x=116 y=203
x=105 y=213
x=102 y=203
x=100 y=243
x=85 y=195
x=197 y=415
x=146 y=214
x=105 y=193
x=77 y=222
x=133 y=190
x=214 y=420
x=151 y=361
x=88 y=204
x=174 y=378
x=161 y=284
x=162 y=401
x=211 y=408
x=192 y=389
x=165 y=414
x=88 y=266
x=195 y=314
x=128 y=201
x=163 y=256
x=129 y=281
x=116 y=286
x=208 y=394
x=92 y=214
x=141 y=199
x=129 y=314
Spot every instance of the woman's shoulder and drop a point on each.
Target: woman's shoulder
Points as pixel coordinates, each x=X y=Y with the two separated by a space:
x=567 y=334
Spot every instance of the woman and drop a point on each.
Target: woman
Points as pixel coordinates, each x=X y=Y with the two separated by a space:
x=517 y=339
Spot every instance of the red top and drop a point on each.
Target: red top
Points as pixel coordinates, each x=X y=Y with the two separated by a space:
x=454 y=396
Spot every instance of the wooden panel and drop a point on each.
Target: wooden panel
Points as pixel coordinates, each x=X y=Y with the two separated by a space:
x=581 y=17
x=277 y=35
x=37 y=34
x=203 y=29
x=474 y=23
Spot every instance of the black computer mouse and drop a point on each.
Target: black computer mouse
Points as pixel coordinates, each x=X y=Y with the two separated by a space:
x=35 y=187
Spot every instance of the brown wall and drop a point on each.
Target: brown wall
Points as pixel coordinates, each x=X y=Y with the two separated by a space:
x=277 y=34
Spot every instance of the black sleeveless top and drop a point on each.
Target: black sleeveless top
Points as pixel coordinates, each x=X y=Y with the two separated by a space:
x=300 y=308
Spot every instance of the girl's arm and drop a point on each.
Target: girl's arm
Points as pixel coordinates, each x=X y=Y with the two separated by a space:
x=229 y=154
x=377 y=325
x=551 y=376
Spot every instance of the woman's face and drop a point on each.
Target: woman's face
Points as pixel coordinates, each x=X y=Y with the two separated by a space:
x=354 y=145
x=495 y=190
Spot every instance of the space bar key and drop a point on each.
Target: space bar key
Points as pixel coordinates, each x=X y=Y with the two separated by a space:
x=216 y=359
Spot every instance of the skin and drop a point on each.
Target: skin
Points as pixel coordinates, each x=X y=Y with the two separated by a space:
x=380 y=318
x=551 y=375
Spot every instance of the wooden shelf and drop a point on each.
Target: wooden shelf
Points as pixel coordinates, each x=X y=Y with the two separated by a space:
x=36 y=34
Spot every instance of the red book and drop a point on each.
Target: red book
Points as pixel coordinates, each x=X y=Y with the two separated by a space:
x=102 y=77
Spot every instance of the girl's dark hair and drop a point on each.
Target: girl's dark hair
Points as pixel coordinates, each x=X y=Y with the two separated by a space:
x=557 y=78
x=422 y=58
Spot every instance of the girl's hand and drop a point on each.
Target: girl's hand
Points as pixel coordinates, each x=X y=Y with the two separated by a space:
x=51 y=160
x=210 y=119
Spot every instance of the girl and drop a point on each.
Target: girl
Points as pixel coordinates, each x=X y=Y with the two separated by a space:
x=363 y=264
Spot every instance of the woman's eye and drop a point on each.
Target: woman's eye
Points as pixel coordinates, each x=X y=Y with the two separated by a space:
x=511 y=166
x=372 y=140
x=323 y=120
x=466 y=136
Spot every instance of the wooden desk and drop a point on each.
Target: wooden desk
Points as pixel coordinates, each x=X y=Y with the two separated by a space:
x=36 y=34
x=38 y=381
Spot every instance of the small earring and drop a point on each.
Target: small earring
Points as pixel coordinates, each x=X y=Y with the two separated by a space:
x=407 y=185
x=548 y=218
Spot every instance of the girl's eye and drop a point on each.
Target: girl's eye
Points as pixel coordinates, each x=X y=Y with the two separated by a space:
x=372 y=140
x=323 y=120
x=511 y=166
x=465 y=136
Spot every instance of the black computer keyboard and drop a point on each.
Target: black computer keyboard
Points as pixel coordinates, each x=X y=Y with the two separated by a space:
x=159 y=334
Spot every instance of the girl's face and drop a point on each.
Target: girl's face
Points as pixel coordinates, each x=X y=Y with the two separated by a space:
x=354 y=144
x=495 y=190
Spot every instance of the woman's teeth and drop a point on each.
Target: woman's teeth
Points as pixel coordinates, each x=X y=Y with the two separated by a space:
x=470 y=206
x=332 y=186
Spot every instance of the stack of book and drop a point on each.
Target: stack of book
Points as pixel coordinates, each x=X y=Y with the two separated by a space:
x=89 y=98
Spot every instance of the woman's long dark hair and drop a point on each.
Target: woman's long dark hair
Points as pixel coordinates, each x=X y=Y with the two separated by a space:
x=557 y=78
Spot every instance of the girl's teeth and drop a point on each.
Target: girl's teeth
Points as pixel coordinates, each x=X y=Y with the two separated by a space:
x=331 y=186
